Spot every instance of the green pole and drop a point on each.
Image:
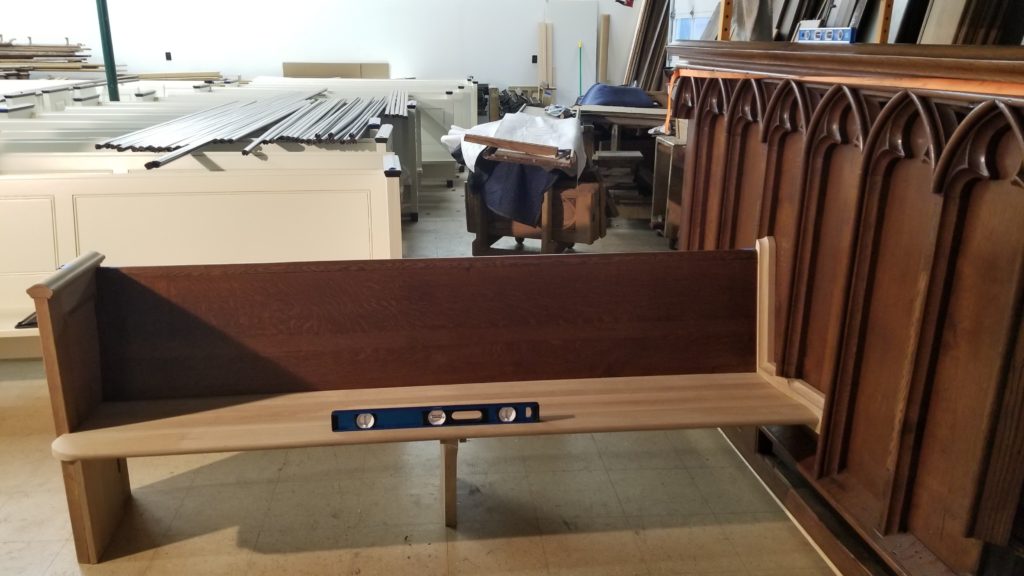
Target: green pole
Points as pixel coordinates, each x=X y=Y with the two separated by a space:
x=581 y=67
x=109 y=66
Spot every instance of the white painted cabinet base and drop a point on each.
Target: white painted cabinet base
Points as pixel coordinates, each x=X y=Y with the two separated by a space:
x=187 y=217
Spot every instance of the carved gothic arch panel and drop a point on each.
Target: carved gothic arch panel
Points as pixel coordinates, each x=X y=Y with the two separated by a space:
x=705 y=168
x=739 y=216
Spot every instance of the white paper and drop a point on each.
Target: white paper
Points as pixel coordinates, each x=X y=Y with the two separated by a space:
x=564 y=134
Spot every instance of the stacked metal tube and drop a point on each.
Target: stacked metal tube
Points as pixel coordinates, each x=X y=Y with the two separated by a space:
x=398 y=104
x=295 y=117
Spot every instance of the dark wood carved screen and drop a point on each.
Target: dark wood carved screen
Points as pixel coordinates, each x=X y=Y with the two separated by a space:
x=787 y=123
x=705 y=169
x=898 y=217
x=744 y=168
x=821 y=237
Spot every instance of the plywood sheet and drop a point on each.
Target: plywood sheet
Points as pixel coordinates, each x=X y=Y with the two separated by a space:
x=336 y=70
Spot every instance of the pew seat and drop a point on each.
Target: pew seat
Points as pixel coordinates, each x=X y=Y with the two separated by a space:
x=240 y=423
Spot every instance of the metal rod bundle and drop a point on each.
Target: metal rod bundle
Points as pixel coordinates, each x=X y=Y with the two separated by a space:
x=293 y=117
x=226 y=122
x=398 y=104
x=330 y=121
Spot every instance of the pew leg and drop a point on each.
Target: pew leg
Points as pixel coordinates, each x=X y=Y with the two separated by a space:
x=548 y=221
x=449 y=475
x=97 y=493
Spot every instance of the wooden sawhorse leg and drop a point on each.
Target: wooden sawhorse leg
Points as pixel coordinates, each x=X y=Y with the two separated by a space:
x=97 y=492
x=449 y=481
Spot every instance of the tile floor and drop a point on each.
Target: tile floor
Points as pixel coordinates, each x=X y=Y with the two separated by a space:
x=672 y=503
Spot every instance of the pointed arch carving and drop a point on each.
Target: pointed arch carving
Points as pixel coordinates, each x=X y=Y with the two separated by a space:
x=871 y=309
x=974 y=324
x=705 y=169
x=733 y=221
x=839 y=123
x=688 y=96
x=829 y=223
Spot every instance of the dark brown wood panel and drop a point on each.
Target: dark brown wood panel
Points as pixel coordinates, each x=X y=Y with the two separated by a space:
x=705 y=170
x=1003 y=64
x=909 y=127
x=222 y=330
x=784 y=132
x=962 y=489
x=823 y=259
x=897 y=213
x=893 y=266
x=745 y=168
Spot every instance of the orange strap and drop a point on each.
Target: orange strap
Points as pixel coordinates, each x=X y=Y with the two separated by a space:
x=671 y=103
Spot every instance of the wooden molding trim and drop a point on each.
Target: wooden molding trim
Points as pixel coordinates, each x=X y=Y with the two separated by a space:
x=874 y=60
x=796 y=389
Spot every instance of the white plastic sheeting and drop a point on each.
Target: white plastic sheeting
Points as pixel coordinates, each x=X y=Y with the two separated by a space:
x=564 y=134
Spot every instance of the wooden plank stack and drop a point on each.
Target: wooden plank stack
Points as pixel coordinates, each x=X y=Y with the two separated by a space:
x=17 y=59
x=646 y=63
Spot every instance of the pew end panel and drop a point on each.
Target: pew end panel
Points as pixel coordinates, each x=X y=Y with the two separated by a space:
x=97 y=490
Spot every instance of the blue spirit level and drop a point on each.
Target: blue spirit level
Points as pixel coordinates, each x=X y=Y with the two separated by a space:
x=434 y=416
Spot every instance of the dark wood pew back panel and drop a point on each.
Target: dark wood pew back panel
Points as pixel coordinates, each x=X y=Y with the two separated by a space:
x=259 y=329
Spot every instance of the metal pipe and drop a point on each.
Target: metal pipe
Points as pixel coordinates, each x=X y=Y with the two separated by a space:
x=364 y=116
x=306 y=116
x=146 y=140
x=365 y=123
x=314 y=114
x=114 y=141
x=163 y=137
x=231 y=119
x=359 y=126
x=272 y=134
x=345 y=120
x=330 y=121
x=313 y=133
x=187 y=133
x=272 y=112
x=109 y=66
x=266 y=119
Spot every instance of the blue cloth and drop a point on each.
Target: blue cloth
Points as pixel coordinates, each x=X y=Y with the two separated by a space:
x=513 y=190
x=605 y=95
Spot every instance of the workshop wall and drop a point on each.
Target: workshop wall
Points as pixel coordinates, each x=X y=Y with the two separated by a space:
x=424 y=38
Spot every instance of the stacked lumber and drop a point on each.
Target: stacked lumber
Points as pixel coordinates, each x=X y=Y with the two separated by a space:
x=189 y=76
x=646 y=65
x=18 y=59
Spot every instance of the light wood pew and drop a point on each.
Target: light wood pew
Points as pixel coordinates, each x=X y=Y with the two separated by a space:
x=196 y=359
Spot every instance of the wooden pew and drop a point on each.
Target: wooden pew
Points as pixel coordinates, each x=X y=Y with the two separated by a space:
x=175 y=360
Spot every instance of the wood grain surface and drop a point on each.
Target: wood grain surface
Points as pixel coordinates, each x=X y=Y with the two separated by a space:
x=180 y=332
x=202 y=425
